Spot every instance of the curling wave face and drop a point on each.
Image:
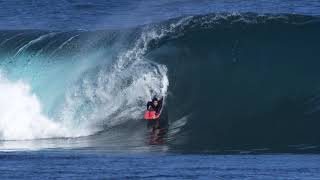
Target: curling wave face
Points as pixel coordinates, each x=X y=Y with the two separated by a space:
x=236 y=81
x=84 y=84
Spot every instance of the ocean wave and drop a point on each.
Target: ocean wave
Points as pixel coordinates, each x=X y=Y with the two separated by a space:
x=230 y=80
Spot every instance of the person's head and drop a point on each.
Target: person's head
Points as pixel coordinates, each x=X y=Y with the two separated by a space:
x=155 y=103
x=154 y=99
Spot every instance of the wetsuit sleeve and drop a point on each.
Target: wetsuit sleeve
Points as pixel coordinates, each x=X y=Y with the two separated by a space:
x=148 y=105
x=159 y=106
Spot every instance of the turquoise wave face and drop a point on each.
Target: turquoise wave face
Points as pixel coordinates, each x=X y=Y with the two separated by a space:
x=83 y=81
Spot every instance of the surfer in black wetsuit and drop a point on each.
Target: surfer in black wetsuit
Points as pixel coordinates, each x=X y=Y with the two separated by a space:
x=155 y=105
x=158 y=126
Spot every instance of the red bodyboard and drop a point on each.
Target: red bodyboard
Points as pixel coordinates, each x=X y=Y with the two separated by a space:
x=150 y=115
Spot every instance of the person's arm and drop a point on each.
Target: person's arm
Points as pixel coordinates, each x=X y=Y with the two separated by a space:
x=148 y=105
x=161 y=102
x=159 y=106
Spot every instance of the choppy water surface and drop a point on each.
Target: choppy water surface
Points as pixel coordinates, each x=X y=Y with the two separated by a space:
x=94 y=165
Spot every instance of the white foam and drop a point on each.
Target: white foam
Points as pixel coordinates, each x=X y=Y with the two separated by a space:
x=21 y=115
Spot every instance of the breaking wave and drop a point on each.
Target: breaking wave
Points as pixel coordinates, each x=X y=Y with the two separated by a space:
x=230 y=80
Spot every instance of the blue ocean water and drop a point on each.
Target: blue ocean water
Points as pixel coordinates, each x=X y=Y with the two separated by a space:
x=97 y=165
x=240 y=81
x=97 y=14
